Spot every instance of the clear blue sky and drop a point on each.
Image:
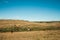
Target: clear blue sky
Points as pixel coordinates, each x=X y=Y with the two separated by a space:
x=32 y=10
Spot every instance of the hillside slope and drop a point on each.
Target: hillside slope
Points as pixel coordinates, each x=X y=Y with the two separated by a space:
x=18 y=23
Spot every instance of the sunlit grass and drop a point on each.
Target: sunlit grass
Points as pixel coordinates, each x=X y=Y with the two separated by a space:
x=31 y=35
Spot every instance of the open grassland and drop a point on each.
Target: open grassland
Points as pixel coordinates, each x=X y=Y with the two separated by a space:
x=25 y=30
x=31 y=35
x=19 y=23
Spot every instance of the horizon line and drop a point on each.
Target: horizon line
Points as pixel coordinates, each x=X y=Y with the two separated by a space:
x=30 y=20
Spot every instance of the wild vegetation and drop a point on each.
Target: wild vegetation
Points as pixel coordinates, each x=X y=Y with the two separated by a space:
x=20 y=25
x=25 y=30
x=19 y=29
x=33 y=35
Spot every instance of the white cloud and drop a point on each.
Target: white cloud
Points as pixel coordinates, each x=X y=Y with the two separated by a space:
x=17 y=17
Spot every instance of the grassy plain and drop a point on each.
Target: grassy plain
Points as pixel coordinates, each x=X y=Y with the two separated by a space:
x=37 y=32
x=31 y=35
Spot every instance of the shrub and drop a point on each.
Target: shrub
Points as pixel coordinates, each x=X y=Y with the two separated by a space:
x=19 y=29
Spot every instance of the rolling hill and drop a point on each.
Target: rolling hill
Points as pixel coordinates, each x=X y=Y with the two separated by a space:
x=18 y=23
x=21 y=33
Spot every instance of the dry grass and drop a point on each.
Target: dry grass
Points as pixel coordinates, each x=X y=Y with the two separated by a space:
x=33 y=35
x=18 y=23
x=29 y=35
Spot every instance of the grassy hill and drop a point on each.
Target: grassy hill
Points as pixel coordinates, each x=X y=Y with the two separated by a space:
x=21 y=25
x=25 y=30
x=7 y=23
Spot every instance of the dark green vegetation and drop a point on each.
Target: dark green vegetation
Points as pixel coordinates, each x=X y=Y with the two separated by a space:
x=19 y=29
x=47 y=22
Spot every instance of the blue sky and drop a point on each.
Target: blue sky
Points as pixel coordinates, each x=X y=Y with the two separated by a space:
x=32 y=10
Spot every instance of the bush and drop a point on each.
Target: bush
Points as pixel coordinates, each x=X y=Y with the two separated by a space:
x=19 y=29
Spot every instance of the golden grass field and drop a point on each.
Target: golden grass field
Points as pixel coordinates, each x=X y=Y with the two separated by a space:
x=32 y=35
x=9 y=23
x=29 y=35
